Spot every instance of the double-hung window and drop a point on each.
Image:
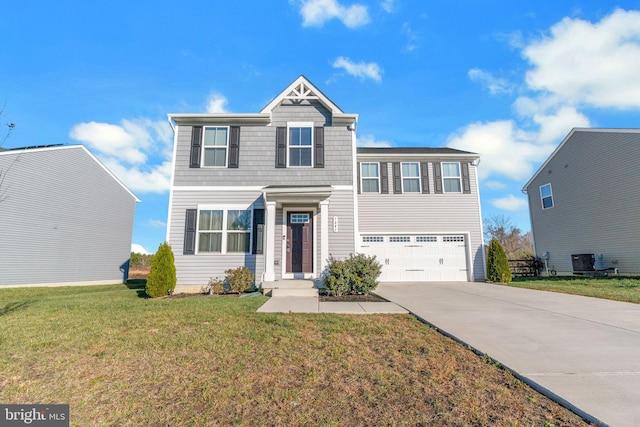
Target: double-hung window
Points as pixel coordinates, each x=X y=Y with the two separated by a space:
x=451 y=177
x=411 y=177
x=210 y=231
x=370 y=177
x=300 y=145
x=238 y=230
x=547 y=196
x=215 y=143
x=224 y=231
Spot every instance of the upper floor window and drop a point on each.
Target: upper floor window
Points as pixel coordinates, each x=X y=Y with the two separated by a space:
x=451 y=177
x=215 y=142
x=410 y=177
x=300 y=146
x=370 y=176
x=547 y=196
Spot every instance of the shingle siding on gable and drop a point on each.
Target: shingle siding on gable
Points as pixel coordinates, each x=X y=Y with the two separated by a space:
x=596 y=200
x=64 y=219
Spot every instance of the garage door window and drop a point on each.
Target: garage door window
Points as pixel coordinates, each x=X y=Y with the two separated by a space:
x=399 y=239
x=426 y=239
x=453 y=239
x=373 y=239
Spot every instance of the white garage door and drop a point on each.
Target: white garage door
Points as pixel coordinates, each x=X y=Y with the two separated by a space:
x=418 y=258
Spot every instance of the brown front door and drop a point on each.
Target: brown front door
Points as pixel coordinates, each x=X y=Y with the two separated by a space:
x=299 y=242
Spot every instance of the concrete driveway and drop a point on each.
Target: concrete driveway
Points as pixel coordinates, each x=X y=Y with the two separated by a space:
x=584 y=352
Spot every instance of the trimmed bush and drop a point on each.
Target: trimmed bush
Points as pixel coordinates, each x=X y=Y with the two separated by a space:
x=162 y=276
x=239 y=279
x=215 y=286
x=497 y=265
x=356 y=275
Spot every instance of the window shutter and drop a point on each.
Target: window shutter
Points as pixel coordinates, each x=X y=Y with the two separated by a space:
x=190 y=232
x=424 y=173
x=318 y=141
x=196 y=146
x=384 y=178
x=466 y=185
x=258 y=232
x=359 y=185
x=234 y=146
x=437 y=177
x=281 y=147
x=397 y=178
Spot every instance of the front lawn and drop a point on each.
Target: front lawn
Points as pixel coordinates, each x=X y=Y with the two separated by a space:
x=119 y=359
x=614 y=288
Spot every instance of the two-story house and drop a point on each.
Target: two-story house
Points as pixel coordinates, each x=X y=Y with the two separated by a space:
x=283 y=189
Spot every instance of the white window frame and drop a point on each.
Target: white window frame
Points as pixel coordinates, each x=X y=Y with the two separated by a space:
x=452 y=177
x=363 y=178
x=204 y=147
x=225 y=233
x=550 y=196
x=298 y=147
x=418 y=178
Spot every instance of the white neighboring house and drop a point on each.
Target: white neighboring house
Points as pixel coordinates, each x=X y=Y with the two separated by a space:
x=584 y=203
x=64 y=218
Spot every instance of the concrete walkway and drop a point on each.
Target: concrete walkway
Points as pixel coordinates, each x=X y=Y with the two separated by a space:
x=314 y=305
x=583 y=352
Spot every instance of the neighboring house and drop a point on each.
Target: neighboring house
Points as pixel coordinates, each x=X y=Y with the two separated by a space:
x=64 y=218
x=585 y=200
x=283 y=189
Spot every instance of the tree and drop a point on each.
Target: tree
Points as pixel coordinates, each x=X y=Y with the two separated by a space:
x=516 y=245
x=5 y=133
x=162 y=276
x=497 y=265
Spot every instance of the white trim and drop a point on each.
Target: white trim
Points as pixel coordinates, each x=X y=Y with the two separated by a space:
x=283 y=260
x=224 y=231
x=309 y=125
x=173 y=178
x=270 y=229
x=362 y=177
x=324 y=233
x=217 y=188
x=484 y=259
x=354 y=189
x=215 y=147
x=419 y=178
x=543 y=197
x=309 y=91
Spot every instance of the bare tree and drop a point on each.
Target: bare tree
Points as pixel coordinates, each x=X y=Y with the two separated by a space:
x=5 y=133
x=516 y=245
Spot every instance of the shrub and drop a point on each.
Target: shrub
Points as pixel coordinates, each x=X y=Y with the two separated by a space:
x=497 y=265
x=215 y=286
x=162 y=275
x=356 y=275
x=239 y=279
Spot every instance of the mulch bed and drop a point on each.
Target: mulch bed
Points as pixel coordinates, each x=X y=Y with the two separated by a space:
x=353 y=298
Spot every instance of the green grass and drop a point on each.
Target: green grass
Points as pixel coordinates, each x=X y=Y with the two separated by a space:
x=613 y=288
x=119 y=359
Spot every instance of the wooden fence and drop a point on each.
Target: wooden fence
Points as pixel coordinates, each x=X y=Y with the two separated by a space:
x=530 y=267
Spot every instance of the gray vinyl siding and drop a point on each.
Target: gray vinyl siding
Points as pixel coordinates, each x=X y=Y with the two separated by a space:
x=257 y=155
x=341 y=243
x=425 y=213
x=596 y=196
x=196 y=270
x=64 y=219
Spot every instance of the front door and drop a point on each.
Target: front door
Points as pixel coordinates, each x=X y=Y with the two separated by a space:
x=299 y=242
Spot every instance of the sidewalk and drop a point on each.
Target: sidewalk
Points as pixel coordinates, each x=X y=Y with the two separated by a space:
x=314 y=305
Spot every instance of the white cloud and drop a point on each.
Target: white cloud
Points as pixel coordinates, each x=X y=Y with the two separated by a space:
x=495 y=185
x=316 y=12
x=510 y=203
x=139 y=249
x=387 y=5
x=412 y=38
x=157 y=223
x=217 y=103
x=594 y=64
x=361 y=70
x=370 y=141
x=555 y=126
x=494 y=84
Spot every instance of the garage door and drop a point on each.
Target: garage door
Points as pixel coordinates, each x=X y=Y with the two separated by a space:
x=418 y=258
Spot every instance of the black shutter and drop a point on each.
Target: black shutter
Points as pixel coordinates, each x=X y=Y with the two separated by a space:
x=257 y=246
x=397 y=178
x=437 y=177
x=190 y=232
x=424 y=173
x=466 y=186
x=281 y=147
x=234 y=146
x=196 y=146
x=318 y=140
x=384 y=178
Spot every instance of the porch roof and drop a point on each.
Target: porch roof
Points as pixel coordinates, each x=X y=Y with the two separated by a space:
x=296 y=193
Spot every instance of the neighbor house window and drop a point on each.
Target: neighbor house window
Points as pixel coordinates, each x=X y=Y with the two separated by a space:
x=215 y=146
x=224 y=231
x=370 y=176
x=451 y=177
x=410 y=177
x=300 y=146
x=547 y=196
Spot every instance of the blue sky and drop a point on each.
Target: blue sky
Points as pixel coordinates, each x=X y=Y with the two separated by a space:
x=506 y=79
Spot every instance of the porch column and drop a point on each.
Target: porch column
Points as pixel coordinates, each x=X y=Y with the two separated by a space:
x=324 y=234
x=269 y=274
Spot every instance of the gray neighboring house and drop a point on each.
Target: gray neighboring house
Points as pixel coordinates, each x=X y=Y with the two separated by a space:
x=64 y=218
x=585 y=200
x=283 y=189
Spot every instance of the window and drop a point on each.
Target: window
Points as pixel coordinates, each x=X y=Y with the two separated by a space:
x=451 y=239
x=410 y=177
x=369 y=174
x=300 y=146
x=400 y=239
x=224 y=229
x=547 y=196
x=451 y=177
x=426 y=239
x=215 y=143
x=372 y=239
x=299 y=218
